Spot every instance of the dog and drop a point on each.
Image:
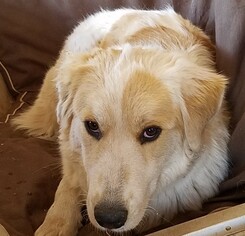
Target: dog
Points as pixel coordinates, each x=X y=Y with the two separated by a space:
x=139 y=111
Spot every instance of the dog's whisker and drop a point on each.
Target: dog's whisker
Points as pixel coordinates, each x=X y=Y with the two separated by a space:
x=52 y=166
x=84 y=212
x=143 y=221
x=152 y=209
x=107 y=233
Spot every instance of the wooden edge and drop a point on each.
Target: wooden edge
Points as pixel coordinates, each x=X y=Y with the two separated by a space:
x=230 y=221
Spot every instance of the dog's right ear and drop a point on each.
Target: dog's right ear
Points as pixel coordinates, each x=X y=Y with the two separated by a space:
x=64 y=108
x=71 y=71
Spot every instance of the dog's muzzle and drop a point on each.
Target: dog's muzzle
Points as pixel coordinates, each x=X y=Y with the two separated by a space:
x=110 y=215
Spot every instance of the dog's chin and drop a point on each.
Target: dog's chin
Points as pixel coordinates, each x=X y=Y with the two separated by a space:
x=124 y=229
x=119 y=231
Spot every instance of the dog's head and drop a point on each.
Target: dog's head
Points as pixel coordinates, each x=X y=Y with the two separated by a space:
x=134 y=116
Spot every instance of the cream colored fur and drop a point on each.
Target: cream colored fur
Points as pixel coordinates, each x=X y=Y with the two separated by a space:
x=128 y=70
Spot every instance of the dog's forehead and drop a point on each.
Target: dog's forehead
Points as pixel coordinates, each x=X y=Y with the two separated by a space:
x=137 y=99
x=147 y=100
x=122 y=88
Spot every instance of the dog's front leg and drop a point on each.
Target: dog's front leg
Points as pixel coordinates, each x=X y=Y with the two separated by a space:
x=63 y=217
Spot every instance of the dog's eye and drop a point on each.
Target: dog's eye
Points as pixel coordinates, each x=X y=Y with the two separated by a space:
x=93 y=129
x=150 y=134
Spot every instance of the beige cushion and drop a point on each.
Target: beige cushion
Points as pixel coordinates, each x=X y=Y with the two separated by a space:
x=3 y=231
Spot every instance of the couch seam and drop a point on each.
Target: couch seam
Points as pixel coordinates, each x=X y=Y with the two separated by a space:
x=9 y=78
x=22 y=102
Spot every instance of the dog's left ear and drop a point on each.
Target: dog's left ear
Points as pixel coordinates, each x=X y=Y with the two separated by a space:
x=202 y=100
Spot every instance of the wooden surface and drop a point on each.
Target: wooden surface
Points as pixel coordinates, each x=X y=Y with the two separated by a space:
x=226 y=222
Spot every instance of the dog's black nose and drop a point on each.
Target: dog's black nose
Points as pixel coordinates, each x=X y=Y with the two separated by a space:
x=110 y=216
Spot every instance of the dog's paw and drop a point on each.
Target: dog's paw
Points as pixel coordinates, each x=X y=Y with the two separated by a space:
x=57 y=227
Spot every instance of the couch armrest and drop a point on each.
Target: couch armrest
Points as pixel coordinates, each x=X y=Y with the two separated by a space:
x=5 y=97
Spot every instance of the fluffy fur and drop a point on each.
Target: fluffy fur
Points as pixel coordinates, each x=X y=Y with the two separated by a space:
x=128 y=70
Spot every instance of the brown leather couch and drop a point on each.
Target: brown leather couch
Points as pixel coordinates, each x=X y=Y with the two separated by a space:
x=31 y=35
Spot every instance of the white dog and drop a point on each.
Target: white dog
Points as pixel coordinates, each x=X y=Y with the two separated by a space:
x=139 y=109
